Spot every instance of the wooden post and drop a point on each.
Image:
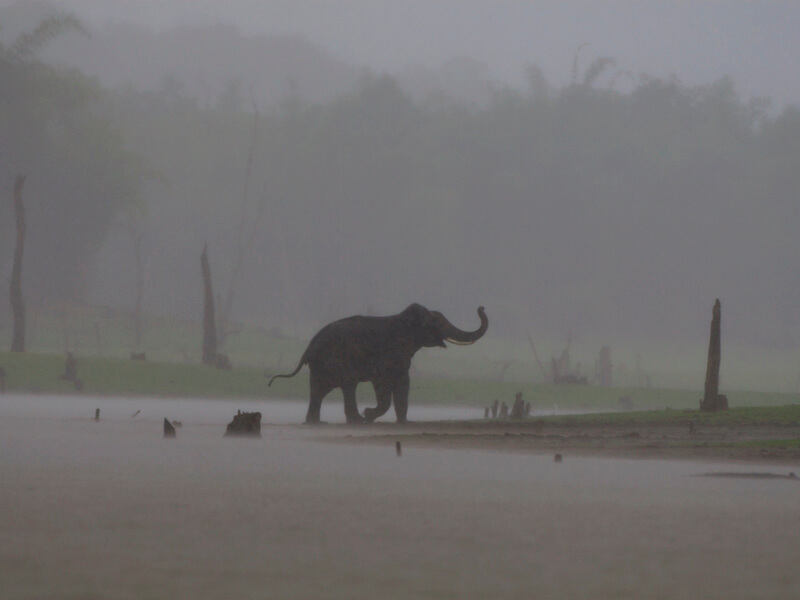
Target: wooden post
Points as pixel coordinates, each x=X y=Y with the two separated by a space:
x=15 y=286
x=209 y=323
x=711 y=401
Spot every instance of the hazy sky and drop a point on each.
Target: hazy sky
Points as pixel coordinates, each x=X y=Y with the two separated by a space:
x=755 y=42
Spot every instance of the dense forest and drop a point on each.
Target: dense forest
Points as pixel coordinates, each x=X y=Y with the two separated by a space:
x=584 y=208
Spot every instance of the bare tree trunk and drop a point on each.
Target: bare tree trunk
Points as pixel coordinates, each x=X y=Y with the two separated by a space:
x=15 y=287
x=712 y=401
x=209 y=324
x=244 y=241
x=605 y=367
x=545 y=375
x=136 y=238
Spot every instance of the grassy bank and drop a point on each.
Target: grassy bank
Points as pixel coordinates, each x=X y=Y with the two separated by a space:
x=38 y=373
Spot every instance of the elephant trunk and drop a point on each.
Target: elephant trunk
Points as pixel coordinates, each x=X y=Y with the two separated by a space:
x=454 y=335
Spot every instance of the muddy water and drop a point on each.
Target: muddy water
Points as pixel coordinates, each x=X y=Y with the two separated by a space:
x=113 y=510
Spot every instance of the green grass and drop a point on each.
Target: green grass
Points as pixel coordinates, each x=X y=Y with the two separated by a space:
x=781 y=416
x=787 y=444
x=38 y=373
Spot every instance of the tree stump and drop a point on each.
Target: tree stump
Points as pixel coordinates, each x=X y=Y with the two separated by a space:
x=712 y=401
x=518 y=409
x=245 y=424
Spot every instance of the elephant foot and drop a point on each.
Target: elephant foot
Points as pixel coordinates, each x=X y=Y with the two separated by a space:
x=402 y=420
x=355 y=419
x=314 y=422
x=370 y=415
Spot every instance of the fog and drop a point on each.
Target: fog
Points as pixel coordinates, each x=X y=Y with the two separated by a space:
x=110 y=509
x=595 y=170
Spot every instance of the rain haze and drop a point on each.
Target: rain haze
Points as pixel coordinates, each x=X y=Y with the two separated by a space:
x=594 y=173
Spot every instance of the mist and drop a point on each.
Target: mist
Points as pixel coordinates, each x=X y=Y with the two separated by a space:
x=595 y=170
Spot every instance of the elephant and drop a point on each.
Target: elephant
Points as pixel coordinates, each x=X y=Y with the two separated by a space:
x=375 y=349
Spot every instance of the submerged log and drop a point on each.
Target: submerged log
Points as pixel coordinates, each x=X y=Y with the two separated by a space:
x=245 y=424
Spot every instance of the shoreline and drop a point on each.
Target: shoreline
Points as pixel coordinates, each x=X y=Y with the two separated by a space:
x=757 y=444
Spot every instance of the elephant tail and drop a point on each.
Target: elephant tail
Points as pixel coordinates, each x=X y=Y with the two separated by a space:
x=303 y=361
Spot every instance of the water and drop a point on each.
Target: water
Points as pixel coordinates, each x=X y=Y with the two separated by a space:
x=112 y=510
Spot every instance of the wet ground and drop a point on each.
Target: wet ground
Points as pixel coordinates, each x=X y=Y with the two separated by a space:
x=110 y=509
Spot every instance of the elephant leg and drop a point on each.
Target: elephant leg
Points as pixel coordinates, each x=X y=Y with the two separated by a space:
x=318 y=391
x=400 y=396
x=383 y=393
x=350 y=406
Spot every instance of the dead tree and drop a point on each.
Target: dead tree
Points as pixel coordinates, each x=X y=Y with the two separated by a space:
x=244 y=239
x=209 y=323
x=136 y=233
x=604 y=367
x=518 y=409
x=15 y=287
x=538 y=362
x=713 y=401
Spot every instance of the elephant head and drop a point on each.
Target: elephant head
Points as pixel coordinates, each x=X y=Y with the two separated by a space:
x=431 y=328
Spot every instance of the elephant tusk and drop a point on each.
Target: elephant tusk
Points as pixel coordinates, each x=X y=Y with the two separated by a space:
x=452 y=341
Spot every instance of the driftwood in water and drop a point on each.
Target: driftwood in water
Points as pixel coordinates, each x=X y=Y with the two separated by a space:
x=245 y=424
x=712 y=401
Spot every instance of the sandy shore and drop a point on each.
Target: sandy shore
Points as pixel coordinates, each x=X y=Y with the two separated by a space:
x=685 y=441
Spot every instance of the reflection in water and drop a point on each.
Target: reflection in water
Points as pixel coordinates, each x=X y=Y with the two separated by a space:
x=112 y=510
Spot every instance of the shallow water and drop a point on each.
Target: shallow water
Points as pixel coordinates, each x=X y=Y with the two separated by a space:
x=113 y=510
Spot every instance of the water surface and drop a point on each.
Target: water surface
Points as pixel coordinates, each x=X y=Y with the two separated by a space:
x=110 y=509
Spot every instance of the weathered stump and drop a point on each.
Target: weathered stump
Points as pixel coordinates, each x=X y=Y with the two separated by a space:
x=712 y=401
x=518 y=409
x=245 y=424
x=504 y=411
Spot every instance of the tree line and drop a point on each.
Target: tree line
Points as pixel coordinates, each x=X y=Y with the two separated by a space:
x=581 y=207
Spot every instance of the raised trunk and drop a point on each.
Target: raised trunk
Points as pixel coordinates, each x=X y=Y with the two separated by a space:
x=453 y=334
x=15 y=285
